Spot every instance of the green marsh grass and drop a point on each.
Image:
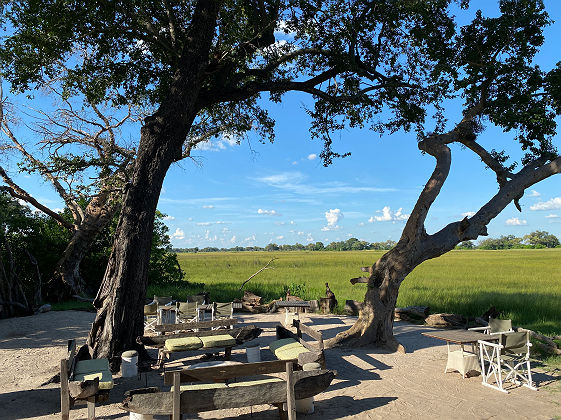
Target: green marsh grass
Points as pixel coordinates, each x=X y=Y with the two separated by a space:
x=524 y=284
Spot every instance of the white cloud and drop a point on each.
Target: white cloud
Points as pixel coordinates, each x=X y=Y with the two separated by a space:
x=226 y=140
x=233 y=239
x=211 y=223
x=280 y=237
x=312 y=156
x=332 y=216
x=58 y=210
x=268 y=212
x=389 y=216
x=310 y=238
x=292 y=222
x=250 y=239
x=468 y=214
x=515 y=221
x=209 y=237
x=208 y=206
x=293 y=182
x=169 y=218
x=552 y=216
x=553 y=204
x=178 y=234
x=534 y=193
x=301 y=233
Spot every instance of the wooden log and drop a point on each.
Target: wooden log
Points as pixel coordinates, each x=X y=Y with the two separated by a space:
x=185 y=326
x=445 y=320
x=411 y=313
x=80 y=390
x=327 y=305
x=242 y=335
x=352 y=307
x=306 y=384
x=227 y=372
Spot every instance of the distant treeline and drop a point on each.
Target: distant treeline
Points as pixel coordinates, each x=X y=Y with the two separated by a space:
x=352 y=244
x=537 y=239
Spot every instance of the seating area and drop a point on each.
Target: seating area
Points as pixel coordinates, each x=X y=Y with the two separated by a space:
x=507 y=360
x=225 y=387
x=289 y=345
x=83 y=380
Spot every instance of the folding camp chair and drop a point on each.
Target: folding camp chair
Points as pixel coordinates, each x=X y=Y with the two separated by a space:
x=164 y=304
x=496 y=326
x=150 y=316
x=186 y=312
x=507 y=360
x=223 y=311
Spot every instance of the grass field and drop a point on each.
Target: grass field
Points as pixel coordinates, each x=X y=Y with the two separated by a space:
x=525 y=285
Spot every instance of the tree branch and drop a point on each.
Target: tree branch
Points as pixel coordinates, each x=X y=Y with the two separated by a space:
x=257 y=272
x=17 y=192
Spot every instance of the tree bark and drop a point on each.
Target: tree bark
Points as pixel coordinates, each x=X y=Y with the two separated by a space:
x=121 y=297
x=97 y=216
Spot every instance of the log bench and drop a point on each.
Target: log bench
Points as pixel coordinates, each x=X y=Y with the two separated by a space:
x=83 y=380
x=289 y=345
x=199 y=336
x=215 y=390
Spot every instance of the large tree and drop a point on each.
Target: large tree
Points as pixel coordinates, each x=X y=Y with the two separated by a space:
x=502 y=86
x=202 y=65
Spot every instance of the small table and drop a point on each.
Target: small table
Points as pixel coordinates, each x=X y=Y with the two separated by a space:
x=461 y=360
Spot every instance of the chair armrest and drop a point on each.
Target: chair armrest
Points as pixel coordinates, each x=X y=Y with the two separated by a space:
x=484 y=329
x=487 y=343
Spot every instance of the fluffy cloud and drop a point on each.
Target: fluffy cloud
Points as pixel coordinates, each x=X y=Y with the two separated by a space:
x=233 y=239
x=208 y=206
x=468 y=214
x=268 y=212
x=389 y=216
x=211 y=223
x=332 y=216
x=169 y=218
x=515 y=221
x=280 y=237
x=178 y=234
x=312 y=156
x=222 y=143
x=552 y=216
x=534 y=193
x=553 y=204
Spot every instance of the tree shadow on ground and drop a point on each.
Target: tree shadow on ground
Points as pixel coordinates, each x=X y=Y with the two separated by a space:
x=353 y=367
x=327 y=320
x=30 y=403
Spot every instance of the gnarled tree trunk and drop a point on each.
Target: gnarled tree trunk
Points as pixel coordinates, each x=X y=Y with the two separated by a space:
x=97 y=216
x=375 y=323
x=122 y=294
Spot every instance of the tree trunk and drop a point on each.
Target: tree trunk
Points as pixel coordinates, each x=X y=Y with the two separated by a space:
x=97 y=216
x=121 y=297
x=376 y=314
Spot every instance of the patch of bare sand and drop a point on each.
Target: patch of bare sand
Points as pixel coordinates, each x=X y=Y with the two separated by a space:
x=370 y=384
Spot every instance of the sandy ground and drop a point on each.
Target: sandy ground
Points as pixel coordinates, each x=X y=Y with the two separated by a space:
x=370 y=384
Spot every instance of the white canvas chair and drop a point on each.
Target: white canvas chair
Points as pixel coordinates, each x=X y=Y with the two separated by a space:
x=223 y=310
x=186 y=312
x=151 y=317
x=496 y=326
x=506 y=361
x=163 y=302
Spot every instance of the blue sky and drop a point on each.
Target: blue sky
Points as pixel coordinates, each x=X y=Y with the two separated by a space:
x=254 y=194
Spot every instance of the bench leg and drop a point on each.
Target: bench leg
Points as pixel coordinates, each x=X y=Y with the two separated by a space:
x=283 y=415
x=91 y=408
x=227 y=353
x=64 y=392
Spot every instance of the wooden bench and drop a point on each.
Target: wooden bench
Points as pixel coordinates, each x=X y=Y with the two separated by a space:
x=214 y=395
x=291 y=345
x=83 y=380
x=192 y=336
